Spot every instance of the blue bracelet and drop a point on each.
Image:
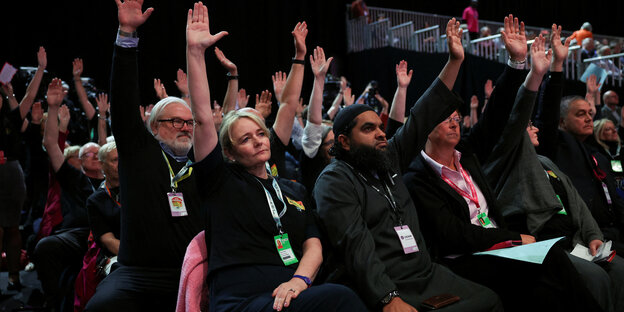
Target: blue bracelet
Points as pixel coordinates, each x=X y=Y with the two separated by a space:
x=305 y=279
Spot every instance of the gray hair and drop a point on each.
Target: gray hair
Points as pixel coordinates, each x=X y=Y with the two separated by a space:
x=565 y=104
x=160 y=106
x=587 y=26
x=71 y=151
x=84 y=148
x=105 y=150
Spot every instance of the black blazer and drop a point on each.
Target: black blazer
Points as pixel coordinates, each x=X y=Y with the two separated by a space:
x=444 y=214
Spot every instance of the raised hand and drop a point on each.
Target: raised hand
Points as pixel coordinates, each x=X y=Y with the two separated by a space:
x=263 y=103
x=348 y=98
x=36 y=113
x=6 y=89
x=488 y=88
x=242 y=98
x=145 y=112
x=77 y=67
x=217 y=115
x=225 y=62
x=279 y=80
x=540 y=59
x=64 y=117
x=42 y=58
x=181 y=82
x=159 y=87
x=474 y=102
x=319 y=64
x=453 y=40
x=592 y=84
x=55 y=93
x=198 y=34
x=514 y=38
x=299 y=33
x=560 y=50
x=102 y=103
x=130 y=15
x=403 y=76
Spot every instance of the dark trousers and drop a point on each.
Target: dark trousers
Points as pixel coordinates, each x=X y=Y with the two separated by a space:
x=249 y=288
x=137 y=289
x=555 y=285
x=58 y=259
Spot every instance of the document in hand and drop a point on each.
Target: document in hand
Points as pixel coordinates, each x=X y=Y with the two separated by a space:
x=604 y=253
x=534 y=253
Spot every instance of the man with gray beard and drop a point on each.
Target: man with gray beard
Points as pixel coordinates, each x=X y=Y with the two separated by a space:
x=160 y=211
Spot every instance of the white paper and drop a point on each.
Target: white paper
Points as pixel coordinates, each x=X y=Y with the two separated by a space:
x=583 y=252
x=6 y=75
x=534 y=253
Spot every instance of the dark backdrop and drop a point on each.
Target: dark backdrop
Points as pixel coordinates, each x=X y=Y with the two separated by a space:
x=259 y=42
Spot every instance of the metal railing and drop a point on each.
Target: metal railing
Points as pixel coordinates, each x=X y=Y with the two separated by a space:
x=613 y=66
x=421 y=32
x=400 y=35
x=425 y=40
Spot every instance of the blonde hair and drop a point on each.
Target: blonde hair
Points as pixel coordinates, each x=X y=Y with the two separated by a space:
x=225 y=137
x=599 y=126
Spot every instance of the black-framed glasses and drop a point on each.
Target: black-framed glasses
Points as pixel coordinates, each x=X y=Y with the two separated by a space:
x=178 y=123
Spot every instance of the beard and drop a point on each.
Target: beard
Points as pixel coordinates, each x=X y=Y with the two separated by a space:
x=370 y=159
x=180 y=145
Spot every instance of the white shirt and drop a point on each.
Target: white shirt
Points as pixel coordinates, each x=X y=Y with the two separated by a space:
x=458 y=179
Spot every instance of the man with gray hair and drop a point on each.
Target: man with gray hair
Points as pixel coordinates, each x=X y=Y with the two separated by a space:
x=611 y=109
x=160 y=211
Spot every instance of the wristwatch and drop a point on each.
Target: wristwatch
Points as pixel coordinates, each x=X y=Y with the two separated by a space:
x=393 y=294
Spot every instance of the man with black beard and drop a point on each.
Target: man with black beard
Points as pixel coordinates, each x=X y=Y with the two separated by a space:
x=367 y=213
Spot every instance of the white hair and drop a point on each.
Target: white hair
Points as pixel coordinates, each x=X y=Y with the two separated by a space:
x=84 y=148
x=160 y=106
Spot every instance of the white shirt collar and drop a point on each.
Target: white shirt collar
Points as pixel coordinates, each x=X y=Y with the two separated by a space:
x=437 y=166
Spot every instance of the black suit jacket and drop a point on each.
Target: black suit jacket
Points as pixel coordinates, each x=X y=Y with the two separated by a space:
x=444 y=214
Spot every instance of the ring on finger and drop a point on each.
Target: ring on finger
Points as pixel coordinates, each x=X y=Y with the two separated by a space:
x=292 y=290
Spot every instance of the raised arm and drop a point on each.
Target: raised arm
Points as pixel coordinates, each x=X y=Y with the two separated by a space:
x=33 y=86
x=198 y=39
x=103 y=105
x=87 y=107
x=263 y=103
x=547 y=119
x=182 y=84
x=593 y=93
x=159 y=88
x=319 y=68
x=456 y=54
x=540 y=62
x=229 y=101
x=7 y=90
x=50 y=138
x=279 y=80
x=397 y=111
x=242 y=98
x=292 y=89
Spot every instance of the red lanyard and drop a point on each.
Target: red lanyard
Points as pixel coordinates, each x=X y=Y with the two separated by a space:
x=474 y=198
x=598 y=173
x=111 y=195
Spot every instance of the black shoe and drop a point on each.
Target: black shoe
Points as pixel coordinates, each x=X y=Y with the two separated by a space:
x=17 y=286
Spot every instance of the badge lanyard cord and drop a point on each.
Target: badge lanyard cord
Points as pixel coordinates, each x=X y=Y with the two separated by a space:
x=272 y=207
x=389 y=197
x=473 y=197
x=184 y=173
x=111 y=195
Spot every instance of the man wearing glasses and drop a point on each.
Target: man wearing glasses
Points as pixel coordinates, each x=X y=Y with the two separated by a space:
x=160 y=211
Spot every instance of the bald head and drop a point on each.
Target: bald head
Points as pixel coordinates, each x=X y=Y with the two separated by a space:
x=611 y=99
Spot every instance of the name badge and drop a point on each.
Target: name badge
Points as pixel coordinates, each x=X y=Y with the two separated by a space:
x=285 y=251
x=408 y=241
x=484 y=220
x=616 y=166
x=176 y=205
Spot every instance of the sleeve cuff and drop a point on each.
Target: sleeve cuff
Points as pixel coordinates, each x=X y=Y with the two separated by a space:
x=126 y=42
x=311 y=140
